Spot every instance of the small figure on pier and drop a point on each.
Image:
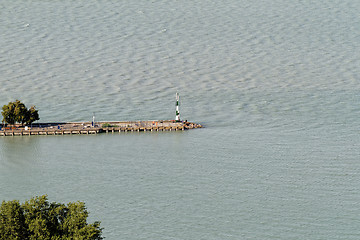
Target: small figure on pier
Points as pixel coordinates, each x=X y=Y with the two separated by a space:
x=177 y=117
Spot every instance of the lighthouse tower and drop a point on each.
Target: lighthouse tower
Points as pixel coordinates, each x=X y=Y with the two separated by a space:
x=177 y=116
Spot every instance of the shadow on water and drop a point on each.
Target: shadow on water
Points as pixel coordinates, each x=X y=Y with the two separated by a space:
x=18 y=152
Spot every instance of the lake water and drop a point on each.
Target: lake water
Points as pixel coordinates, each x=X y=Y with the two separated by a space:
x=275 y=83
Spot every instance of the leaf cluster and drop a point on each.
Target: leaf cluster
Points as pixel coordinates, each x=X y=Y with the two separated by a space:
x=39 y=219
x=16 y=112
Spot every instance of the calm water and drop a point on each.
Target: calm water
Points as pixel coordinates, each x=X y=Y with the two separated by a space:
x=275 y=83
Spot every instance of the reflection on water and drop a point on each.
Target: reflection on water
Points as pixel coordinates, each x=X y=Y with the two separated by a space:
x=18 y=152
x=19 y=167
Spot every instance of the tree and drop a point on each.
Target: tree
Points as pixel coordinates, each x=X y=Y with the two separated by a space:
x=20 y=112
x=12 y=221
x=17 y=112
x=31 y=115
x=39 y=219
x=8 y=113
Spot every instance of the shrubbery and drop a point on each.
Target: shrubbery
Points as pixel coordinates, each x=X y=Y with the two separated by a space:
x=107 y=125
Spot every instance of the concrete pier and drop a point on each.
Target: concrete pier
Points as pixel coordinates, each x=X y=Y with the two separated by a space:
x=99 y=127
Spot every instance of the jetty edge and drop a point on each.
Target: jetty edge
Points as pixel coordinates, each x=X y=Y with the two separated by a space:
x=66 y=128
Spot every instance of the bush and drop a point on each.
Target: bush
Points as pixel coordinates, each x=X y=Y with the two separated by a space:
x=107 y=125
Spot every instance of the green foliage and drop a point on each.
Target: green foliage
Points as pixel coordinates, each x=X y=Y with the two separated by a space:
x=31 y=115
x=12 y=221
x=8 y=113
x=20 y=112
x=106 y=125
x=38 y=219
x=17 y=112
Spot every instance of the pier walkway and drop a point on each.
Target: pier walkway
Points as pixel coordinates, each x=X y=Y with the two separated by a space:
x=99 y=127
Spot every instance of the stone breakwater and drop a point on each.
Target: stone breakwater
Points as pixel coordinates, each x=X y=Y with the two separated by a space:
x=97 y=127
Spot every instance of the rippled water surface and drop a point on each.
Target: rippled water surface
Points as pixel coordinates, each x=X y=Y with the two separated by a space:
x=275 y=83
